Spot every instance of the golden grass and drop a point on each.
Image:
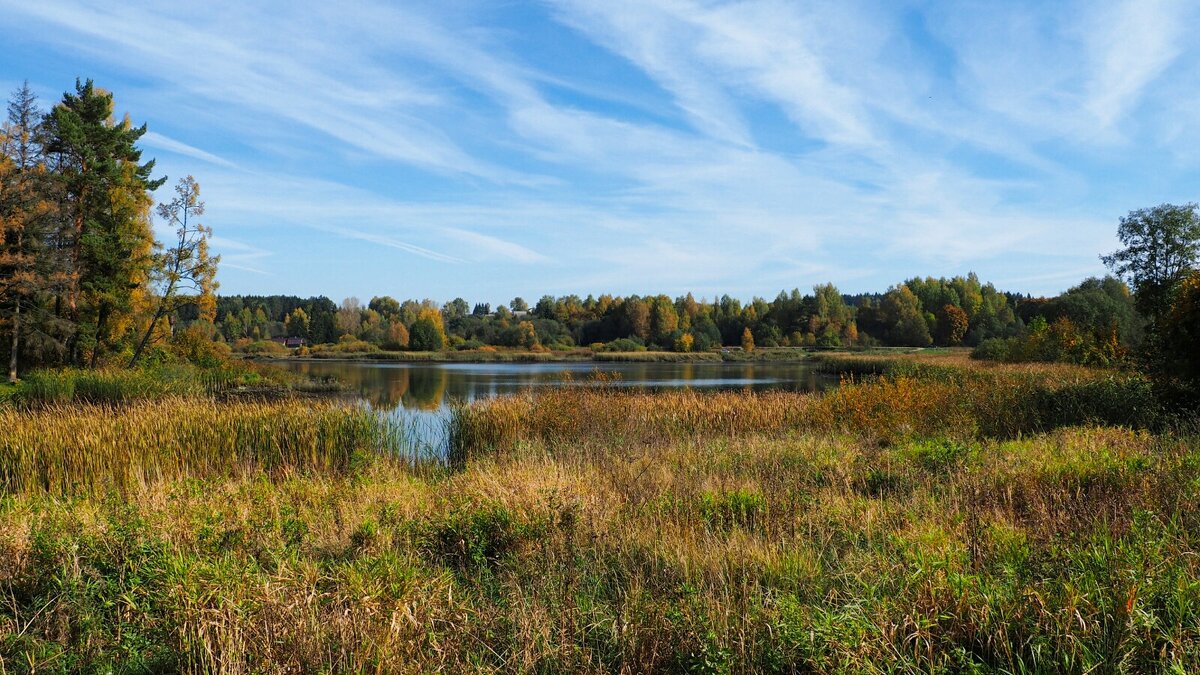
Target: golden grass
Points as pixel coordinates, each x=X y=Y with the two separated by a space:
x=71 y=448
x=994 y=402
x=959 y=523
x=748 y=554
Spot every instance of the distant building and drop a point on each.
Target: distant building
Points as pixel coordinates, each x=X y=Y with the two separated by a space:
x=290 y=342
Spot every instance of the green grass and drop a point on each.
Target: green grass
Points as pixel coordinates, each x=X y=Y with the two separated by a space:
x=120 y=385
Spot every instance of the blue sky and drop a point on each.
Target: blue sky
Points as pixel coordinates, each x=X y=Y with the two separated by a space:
x=494 y=149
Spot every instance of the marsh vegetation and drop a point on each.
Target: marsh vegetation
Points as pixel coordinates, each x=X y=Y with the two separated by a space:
x=929 y=515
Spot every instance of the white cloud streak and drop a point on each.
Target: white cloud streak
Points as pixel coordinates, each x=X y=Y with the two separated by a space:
x=801 y=137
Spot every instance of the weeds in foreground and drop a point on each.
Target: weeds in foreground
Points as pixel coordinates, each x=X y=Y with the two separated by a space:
x=1074 y=551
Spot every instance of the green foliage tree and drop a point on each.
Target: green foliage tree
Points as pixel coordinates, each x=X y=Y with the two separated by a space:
x=297 y=323
x=664 y=321
x=387 y=306
x=1181 y=335
x=455 y=309
x=636 y=317
x=1099 y=306
x=1162 y=245
x=903 y=318
x=105 y=193
x=425 y=336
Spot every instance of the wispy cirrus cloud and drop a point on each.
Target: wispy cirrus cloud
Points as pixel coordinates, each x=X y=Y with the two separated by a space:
x=156 y=140
x=597 y=146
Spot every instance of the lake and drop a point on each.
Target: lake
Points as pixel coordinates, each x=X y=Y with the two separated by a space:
x=432 y=386
x=418 y=395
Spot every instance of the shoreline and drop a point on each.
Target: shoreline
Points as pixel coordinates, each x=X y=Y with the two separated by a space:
x=761 y=355
x=535 y=357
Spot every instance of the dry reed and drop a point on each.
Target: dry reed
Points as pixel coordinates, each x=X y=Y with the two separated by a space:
x=71 y=448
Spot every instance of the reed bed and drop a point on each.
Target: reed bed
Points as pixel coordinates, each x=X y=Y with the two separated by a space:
x=70 y=449
x=942 y=364
x=109 y=386
x=886 y=409
x=122 y=385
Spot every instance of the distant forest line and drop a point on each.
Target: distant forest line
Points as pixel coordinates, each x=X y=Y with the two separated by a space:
x=1098 y=314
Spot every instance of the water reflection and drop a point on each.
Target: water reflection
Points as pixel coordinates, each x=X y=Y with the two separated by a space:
x=431 y=386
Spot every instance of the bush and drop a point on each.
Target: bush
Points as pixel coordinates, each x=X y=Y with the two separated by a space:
x=194 y=345
x=992 y=349
x=354 y=346
x=264 y=348
x=624 y=345
x=474 y=538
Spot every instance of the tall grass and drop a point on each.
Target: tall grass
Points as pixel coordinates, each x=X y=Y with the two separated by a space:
x=960 y=523
x=68 y=449
x=109 y=386
x=945 y=402
x=1071 y=552
x=120 y=385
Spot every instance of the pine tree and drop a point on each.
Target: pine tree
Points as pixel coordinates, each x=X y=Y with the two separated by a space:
x=106 y=200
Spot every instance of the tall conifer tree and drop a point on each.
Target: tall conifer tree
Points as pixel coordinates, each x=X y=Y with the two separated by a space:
x=105 y=193
x=29 y=264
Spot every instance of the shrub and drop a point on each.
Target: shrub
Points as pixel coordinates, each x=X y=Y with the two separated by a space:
x=264 y=348
x=194 y=345
x=624 y=345
x=473 y=538
x=992 y=349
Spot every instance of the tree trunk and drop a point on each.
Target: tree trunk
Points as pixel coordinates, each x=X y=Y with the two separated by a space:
x=16 y=343
x=146 y=338
x=101 y=325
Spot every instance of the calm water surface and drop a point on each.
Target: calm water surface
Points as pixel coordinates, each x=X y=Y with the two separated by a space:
x=432 y=386
x=418 y=395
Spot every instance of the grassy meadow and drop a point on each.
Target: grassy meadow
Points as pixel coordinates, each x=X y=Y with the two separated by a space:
x=928 y=516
